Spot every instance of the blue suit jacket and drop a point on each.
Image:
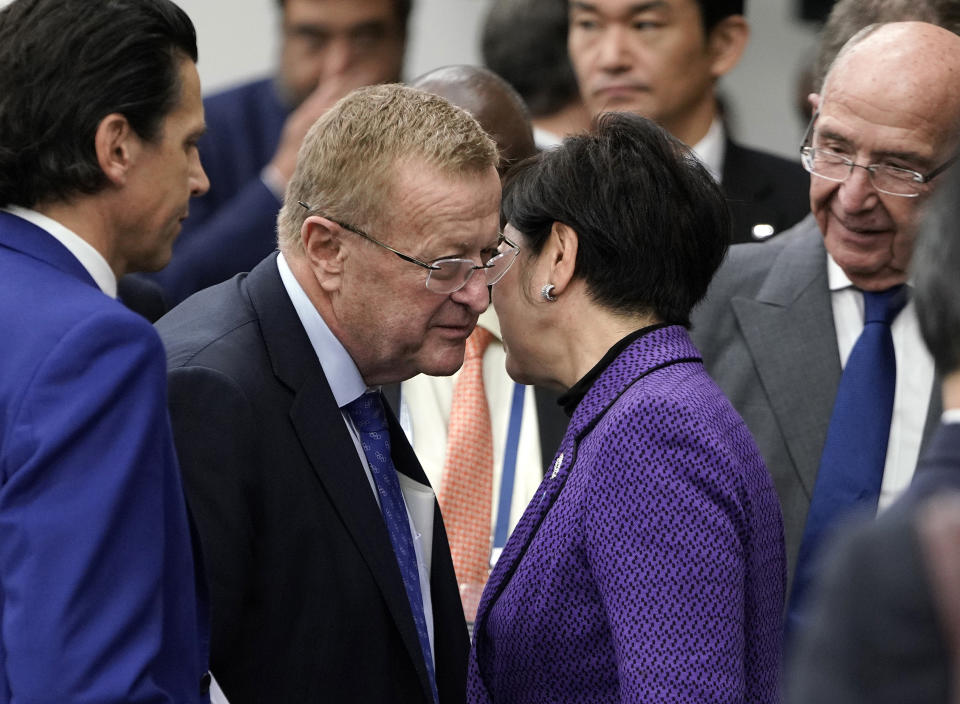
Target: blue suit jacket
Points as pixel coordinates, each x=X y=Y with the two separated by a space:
x=233 y=226
x=97 y=589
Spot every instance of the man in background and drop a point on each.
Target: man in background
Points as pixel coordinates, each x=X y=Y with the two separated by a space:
x=525 y=43
x=663 y=60
x=100 y=114
x=885 y=622
x=813 y=336
x=330 y=570
x=328 y=48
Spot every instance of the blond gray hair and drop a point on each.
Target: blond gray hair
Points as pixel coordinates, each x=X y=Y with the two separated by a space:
x=348 y=160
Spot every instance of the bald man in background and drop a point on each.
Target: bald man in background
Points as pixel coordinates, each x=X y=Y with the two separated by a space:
x=526 y=423
x=781 y=320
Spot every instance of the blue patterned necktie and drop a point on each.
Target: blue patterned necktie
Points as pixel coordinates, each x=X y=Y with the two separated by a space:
x=851 y=466
x=371 y=423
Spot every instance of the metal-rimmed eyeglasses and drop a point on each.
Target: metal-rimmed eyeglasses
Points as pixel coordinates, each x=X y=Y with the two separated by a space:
x=892 y=180
x=446 y=276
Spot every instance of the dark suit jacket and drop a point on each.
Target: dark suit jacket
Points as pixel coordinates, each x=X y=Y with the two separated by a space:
x=763 y=189
x=143 y=296
x=875 y=634
x=234 y=224
x=767 y=335
x=97 y=589
x=307 y=598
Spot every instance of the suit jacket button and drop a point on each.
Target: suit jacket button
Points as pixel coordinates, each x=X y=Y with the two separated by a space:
x=205 y=683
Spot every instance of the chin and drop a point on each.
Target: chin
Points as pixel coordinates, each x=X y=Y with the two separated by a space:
x=443 y=364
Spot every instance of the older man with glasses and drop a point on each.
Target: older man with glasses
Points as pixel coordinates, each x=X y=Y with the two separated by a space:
x=813 y=336
x=331 y=575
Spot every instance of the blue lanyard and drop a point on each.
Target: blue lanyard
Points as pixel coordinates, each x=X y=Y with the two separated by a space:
x=502 y=528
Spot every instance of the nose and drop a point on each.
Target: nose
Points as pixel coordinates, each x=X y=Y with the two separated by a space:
x=612 y=49
x=474 y=294
x=199 y=183
x=338 y=57
x=858 y=193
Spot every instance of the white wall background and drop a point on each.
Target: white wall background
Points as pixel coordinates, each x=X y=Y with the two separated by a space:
x=237 y=40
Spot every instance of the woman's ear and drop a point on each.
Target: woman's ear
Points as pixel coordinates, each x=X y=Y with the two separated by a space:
x=323 y=251
x=560 y=256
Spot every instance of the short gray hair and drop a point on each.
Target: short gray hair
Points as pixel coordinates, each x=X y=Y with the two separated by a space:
x=348 y=160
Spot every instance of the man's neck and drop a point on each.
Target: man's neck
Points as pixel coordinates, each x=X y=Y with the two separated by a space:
x=951 y=391
x=570 y=119
x=84 y=217
x=693 y=126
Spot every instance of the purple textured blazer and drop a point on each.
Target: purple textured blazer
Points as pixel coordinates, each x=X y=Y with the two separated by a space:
x=649 y=565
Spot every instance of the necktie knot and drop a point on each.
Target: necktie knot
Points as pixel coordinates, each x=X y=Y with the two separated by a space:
x=367 y=413
x=884 y=306
x=477 y=343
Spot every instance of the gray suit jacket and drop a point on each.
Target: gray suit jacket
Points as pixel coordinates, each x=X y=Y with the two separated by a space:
x=767 y=336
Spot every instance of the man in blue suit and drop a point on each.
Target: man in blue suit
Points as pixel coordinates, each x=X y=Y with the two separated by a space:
x=100 y=113
x=328 y=48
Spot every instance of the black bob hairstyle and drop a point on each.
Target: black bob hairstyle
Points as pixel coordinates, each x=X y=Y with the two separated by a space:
x=652 y=224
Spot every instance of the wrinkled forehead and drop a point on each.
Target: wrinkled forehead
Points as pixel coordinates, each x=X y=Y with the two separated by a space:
x=899 y=88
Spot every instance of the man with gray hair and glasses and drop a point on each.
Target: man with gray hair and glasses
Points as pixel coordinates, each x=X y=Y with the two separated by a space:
x=813 y=336
x=331 y=576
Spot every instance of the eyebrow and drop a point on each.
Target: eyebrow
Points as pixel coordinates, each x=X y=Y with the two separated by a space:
x=911 y=157
x=634 y=9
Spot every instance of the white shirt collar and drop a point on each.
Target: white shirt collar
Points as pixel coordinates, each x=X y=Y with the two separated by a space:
x=341 y=372
x=711 y=149
x=951 y=415
x=86 y=254
x=836 y=277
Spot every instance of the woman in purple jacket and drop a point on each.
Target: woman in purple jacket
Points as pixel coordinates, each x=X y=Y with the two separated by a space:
x=649 y=566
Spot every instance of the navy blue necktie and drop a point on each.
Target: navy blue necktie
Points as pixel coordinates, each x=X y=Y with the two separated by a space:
x=851 y=466
x=371 y=423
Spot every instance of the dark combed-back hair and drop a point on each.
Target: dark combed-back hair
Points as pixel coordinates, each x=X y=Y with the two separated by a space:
x=936 y=277
x=525 y=42
x=652 y=224
x=67 y=64
x=403 y=8
x=713 y=11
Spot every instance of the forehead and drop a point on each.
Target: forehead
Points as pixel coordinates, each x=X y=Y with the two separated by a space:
x=892 y=106
x=685 y=10
x=187 y=113
x=339 y=14
x=427 y=206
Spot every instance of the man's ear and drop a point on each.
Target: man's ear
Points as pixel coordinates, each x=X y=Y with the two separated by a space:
x=323 y=250
x=726 y=44
x=117 y=146
x=815 y=100
x=560 y=257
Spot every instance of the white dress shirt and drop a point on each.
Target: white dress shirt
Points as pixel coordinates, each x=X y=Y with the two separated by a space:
x=915 y=372
x=711 y=150
x=951 y=415
x=86 y=254
x=425 y=414
x=347 y=385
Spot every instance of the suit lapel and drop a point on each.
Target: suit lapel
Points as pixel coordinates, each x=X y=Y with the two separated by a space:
x=316 y=420
x=656 y=348
x=790 y=333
